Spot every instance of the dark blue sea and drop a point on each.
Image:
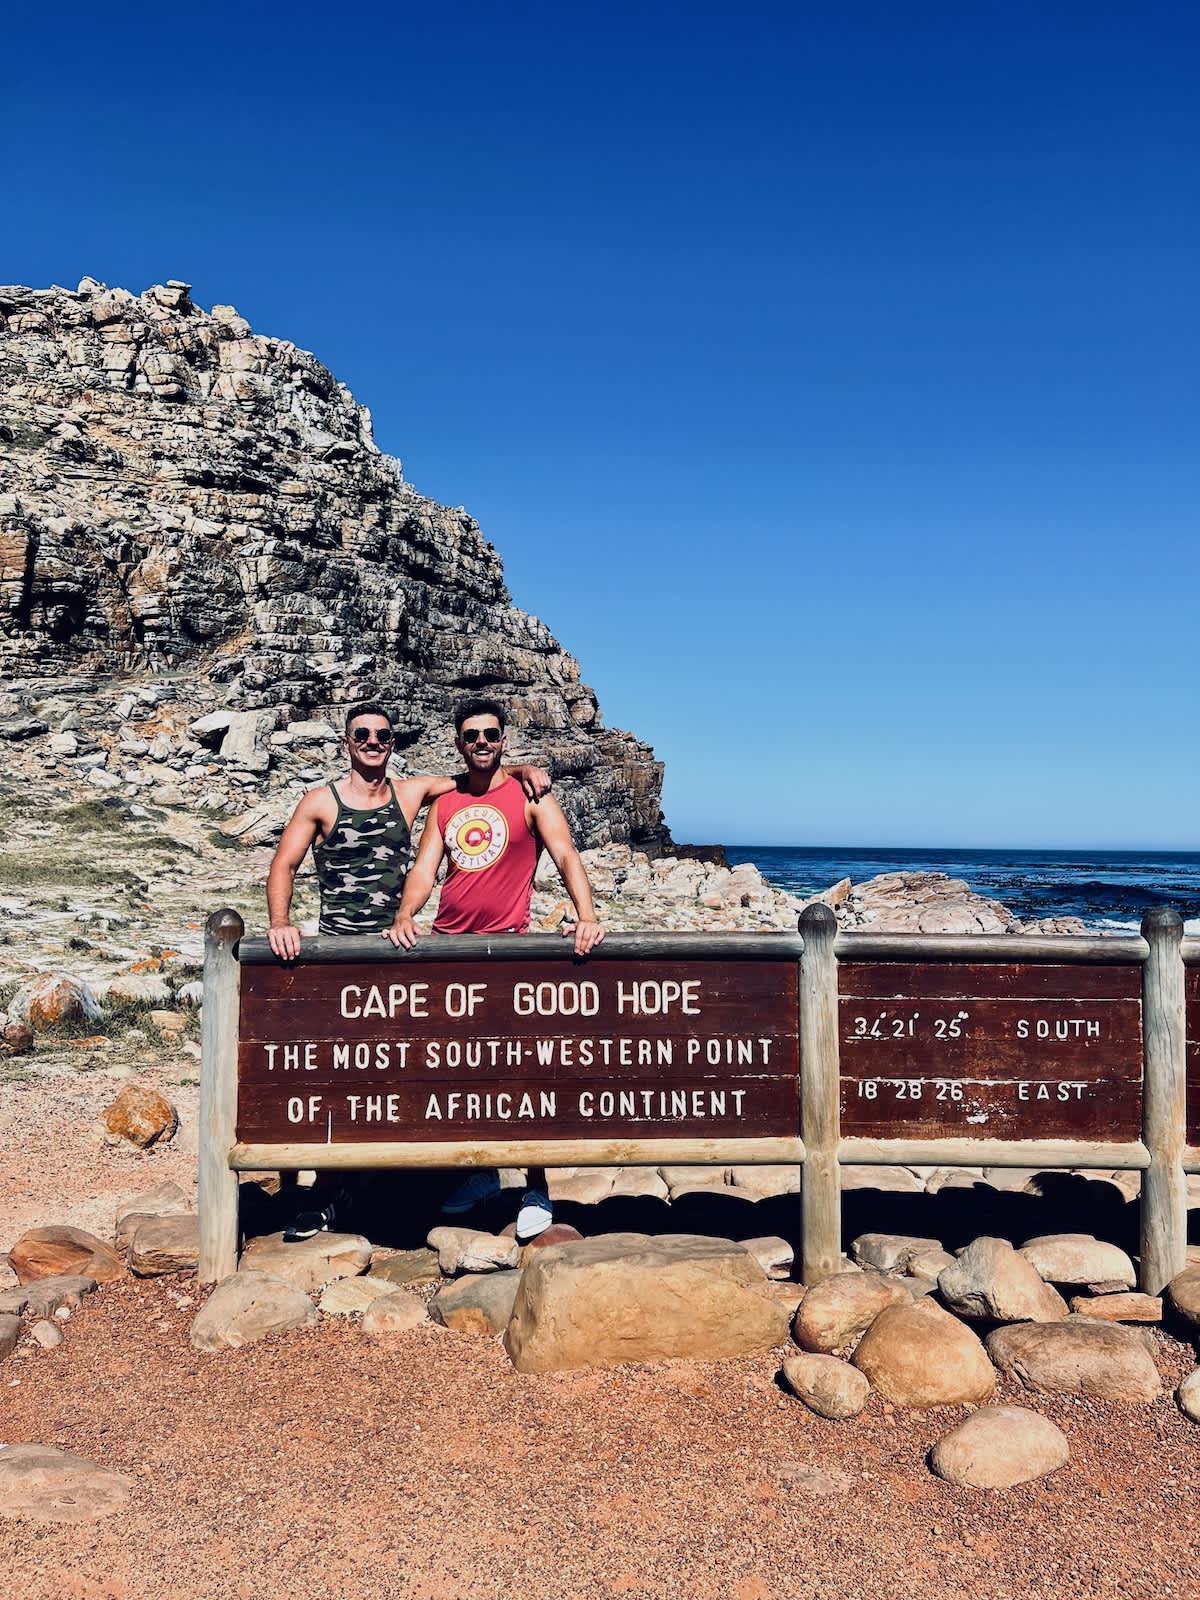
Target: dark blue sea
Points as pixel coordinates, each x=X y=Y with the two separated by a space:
x=1108 y=889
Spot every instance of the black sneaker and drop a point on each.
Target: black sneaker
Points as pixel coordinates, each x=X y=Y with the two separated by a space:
x=308 y=1224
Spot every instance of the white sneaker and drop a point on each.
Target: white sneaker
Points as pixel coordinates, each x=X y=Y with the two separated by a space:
x=535 y=1216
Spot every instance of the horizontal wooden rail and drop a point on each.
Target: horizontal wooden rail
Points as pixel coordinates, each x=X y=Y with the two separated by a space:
x=521 y=1153
x=993 y=1153
x=1069 y=949
x=531 y=947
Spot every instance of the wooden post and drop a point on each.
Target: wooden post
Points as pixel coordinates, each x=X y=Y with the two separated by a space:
x=218 y=1183
x=820 y=1119
x=1164 y=1122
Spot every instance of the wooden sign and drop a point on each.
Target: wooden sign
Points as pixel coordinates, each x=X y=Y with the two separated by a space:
x=989 y=1051
x=1191 y=991
x=504 y=1050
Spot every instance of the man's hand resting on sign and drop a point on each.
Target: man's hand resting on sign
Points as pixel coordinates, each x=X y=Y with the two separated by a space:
x=403 y=933
x=587 y=935
x=284 y=942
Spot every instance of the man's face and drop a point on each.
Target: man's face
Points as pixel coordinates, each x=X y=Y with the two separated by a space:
x=481 y=742
x=369 y=744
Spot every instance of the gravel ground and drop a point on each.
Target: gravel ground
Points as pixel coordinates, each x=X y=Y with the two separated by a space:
x=324 y=1462
x=428 y=1470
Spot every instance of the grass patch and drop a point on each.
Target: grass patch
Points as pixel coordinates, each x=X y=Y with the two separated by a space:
x=58 y=867
x=223 y=840
x=93 y=816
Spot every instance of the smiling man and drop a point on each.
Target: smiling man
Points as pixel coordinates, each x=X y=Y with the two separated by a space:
x=359 y=831
x=491 y=836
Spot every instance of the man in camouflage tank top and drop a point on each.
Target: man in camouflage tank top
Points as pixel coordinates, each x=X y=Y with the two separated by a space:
x=358 y=829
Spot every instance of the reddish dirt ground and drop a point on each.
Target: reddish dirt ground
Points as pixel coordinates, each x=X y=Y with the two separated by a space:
x=428 y=1469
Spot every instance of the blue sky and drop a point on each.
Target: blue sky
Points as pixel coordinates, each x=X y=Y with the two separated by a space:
x=826 y=376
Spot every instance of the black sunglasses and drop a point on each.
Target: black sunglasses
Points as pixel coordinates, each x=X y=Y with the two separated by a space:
x=474 y=735
x=365 y=735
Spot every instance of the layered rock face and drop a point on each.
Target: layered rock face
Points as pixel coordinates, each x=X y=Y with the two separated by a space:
x=183 y=498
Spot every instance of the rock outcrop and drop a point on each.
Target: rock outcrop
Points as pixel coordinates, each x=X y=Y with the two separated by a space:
x=184 y=503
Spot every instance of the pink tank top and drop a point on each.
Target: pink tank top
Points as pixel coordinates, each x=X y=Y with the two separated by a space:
x=491 y=853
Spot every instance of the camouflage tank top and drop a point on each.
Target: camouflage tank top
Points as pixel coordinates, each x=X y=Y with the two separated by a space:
x=361 y=864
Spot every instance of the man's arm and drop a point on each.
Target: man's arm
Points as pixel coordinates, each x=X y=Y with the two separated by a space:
x=418 y=886
x=294 y=844
x=416 y=793
x=555 y=834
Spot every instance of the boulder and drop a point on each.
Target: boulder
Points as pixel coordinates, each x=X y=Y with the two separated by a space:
x=165 y=1244
x=990 y=1279
x=899 y=1180
x=10 y=1332
x=638 y=1182
x=1079 y=1258
x=556 y=1233
x=140 y=1116
x=836 y=1311
x=585 y=1188
x=1078 y=1356
x=57 y=1251
x=629 y=1297
x=246 y=1307
x=138 y=988
x=1119 y=1307
x=918 y=1355
x=998 y=1446
x=479 y=1303
x=830 y=1387
x=466 y=1250
x=346 y=1296
x=308 y=1264
x=890 y=1252
x=48 y=1485
x=49 y=1295
x=166 y=1200
x=49 y=999
x=1183 y=1292
x=47 y=1334
x=773 y=1254
x=762 y=1183
x=16 y=1039
x=406 y=1266
x=397 y=1311
x=1188 y=1395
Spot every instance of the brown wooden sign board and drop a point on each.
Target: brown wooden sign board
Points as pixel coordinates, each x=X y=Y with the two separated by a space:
x=442 y=1052
x=990 y=1051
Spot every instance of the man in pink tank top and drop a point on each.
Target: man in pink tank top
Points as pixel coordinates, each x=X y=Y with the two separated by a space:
x=490 y=837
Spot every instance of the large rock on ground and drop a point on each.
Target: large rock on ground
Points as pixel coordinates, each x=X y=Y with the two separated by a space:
x=58 y=1251
x=1078 y=1356
x=165 y=1244
x=1183 y=1292
x=407 y=1266
x=167 y=1199
x=1188 y=1395
x=890 y=1252
x=918 y=1355
x=468 y=1250
x=139 y=1116
x=246 y=1307
x=628 y=1297
x=1124 y=1306
x=834 y=1312
x=395 y=1311
x=308 y=1264
x=991 y=1280
x=999 y=1446
x=48 y=1485
x=50 y=999
x=830 y=1387
x=478 y=1303
x=1079 y=1258
x=10 y=1332
x=48 y=1295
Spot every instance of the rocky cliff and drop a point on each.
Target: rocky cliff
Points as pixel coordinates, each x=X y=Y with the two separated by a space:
x=199 y=514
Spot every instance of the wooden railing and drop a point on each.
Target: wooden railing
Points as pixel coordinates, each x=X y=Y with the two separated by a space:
x=821 y=1048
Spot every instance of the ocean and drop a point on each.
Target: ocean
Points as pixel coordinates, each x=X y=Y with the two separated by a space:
x=1109 y=890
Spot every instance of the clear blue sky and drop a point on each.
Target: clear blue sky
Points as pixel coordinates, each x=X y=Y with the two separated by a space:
x=825 y=375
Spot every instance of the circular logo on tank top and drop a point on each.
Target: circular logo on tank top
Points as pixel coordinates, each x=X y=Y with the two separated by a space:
x=476 y=837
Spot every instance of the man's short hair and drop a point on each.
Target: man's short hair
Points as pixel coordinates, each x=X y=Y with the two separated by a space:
x=478 y=708
x=368 y=708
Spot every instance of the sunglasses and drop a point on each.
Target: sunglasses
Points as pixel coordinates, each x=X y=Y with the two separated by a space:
x=366 y=735
x=474 y=735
